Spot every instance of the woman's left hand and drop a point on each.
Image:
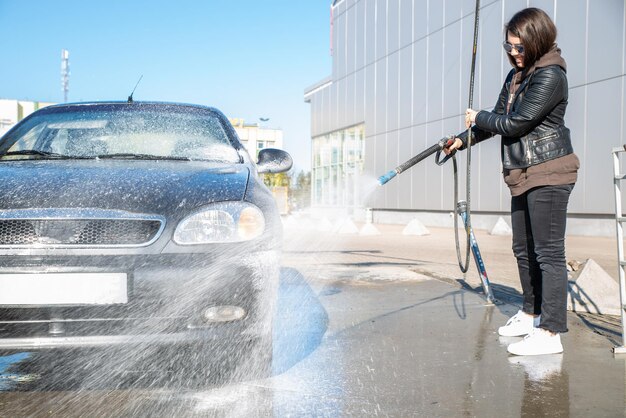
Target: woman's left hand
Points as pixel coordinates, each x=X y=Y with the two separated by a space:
x=470 y=117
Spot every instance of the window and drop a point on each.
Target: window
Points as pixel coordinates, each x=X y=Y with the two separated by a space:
x=337 y=167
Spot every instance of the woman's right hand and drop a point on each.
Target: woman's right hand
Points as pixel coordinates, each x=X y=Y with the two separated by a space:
x=452 y=146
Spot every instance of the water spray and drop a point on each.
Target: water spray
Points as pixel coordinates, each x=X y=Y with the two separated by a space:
x=463 y=207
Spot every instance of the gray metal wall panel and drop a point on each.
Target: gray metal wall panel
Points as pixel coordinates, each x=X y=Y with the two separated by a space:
x=451 y=71
x=603 y=133
x=335 y=49
x=453 y=11
x=360 y=35
x=359 y=96
x=350 y=40
x=467 y=33
x=326 y=110
x=546 y=5
x=419 y=172
x=420 y=83
x=404 y=183
x=393 y=26
x=370 y=100
x=510 y=7
x=406 y=87
x=351 y=101
x=572 y=21
x=370 y=31
x=313 y=104
x=491 y=56
x=381 y=28
x=622 y=141
x=381 y=97
x=434 y=182
x=316 y=104
x=339 y=54
x=435 y=15
x=392 y=194
x=316 y=119
x=335 y=99
x=406 y=22
x=468 y=7
x=420 y=19
x=486 y=168
x=576 y=124
x=393 y=70
x=450 y=126
x=605 y=39
x=342 y=91
x=340 y=8
x=435 y=76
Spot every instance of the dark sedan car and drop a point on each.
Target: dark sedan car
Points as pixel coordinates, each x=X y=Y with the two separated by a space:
x=135 y=223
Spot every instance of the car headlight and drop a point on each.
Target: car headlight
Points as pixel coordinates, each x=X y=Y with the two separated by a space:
x=221 y=222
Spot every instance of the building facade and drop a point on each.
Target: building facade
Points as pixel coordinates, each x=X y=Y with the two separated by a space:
x=400 y=76
x=256 y=137
x=12 y=111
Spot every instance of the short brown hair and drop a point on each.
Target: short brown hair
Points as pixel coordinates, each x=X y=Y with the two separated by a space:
x=536 y=31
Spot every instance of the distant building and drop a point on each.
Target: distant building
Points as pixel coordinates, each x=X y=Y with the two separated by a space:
x=13 y=111
x=255 y=137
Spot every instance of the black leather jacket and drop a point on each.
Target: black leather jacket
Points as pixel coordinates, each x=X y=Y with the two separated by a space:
x=533 y=131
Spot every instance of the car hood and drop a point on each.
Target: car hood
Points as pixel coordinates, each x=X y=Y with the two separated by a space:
x=135 y=186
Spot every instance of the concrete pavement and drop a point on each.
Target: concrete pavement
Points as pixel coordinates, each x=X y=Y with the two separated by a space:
x=445 y=358
x=434 y=255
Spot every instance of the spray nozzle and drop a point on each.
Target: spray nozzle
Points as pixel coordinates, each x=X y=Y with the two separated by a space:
x=386 y=177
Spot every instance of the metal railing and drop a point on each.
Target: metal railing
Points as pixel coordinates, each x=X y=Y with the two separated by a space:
x=621 y=262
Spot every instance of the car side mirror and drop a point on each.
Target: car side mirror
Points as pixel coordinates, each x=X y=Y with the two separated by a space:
x=272 y=160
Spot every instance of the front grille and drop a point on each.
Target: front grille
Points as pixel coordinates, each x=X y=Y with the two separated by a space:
x=78 y=232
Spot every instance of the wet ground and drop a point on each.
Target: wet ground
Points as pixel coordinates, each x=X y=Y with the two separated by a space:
x=359 y=333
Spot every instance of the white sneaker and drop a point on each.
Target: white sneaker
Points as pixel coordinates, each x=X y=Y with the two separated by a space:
x=539 y=341
x=519 y=324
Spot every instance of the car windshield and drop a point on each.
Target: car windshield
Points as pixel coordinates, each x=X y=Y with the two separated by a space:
x=152 y=132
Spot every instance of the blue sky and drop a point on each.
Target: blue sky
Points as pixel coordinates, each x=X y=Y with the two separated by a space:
x=249 y=58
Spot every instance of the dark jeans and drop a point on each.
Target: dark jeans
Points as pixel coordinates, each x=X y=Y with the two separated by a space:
x=538 y=219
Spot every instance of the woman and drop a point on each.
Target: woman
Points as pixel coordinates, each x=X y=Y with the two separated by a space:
x=540 y=168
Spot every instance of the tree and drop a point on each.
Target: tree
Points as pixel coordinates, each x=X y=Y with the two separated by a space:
x=277 y=179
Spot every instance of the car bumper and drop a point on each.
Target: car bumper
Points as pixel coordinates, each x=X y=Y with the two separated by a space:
x=167 y=297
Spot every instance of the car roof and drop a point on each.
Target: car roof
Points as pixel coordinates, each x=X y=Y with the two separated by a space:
x=130 y=104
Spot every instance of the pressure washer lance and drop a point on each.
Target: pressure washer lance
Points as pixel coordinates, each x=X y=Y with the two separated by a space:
x=437 y=148
x=461 y=208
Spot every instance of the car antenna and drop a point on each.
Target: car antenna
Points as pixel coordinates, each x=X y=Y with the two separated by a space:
x=130 y=98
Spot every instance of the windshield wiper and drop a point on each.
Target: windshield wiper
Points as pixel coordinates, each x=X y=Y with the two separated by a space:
x=46 y=154
x=131 y=156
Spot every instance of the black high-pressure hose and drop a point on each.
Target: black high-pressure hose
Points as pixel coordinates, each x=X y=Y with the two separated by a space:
x=437 y=148
x=468 y=223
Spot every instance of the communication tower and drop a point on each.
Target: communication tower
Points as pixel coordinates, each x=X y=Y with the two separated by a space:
x=65 y=72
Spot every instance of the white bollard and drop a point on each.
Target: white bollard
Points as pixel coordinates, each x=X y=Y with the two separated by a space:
x=501 y=228
x=415 y=227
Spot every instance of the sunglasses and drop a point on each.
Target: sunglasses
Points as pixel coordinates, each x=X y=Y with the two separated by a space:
x=508 y=47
